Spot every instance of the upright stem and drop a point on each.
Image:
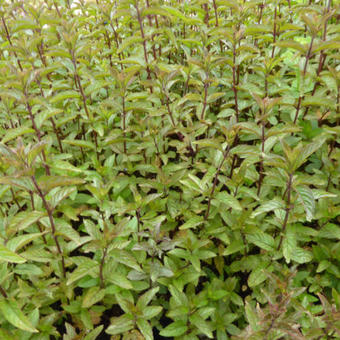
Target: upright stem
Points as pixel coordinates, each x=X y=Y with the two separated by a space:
x=322 y=58
x=10 y=42
x=274 y=32
x=51 y=219
x=225 y=155
x=37 y=132
x=216 y=15
x=235 y=81
x=124 y=124
x=38 y=223
x=78 y=82
x=308 y=55
x=144 y=40
x=263 y=139
x=205 y=98
x=288 y=208
x=101 y=267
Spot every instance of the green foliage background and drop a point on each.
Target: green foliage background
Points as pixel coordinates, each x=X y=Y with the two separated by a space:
x=169 y=170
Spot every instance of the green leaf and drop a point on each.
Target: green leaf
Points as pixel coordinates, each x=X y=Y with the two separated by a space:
x=274 y=204
x=47 y=183
x=234 y=247
x=256 y=277
x=289 y=244
x=81 y=143
x=35 y=151
x=60 y=195
x=15 y=133
x=24 y=219
x=202 y=325
x=262 y=240
x=176 y=328
x=302 y=255
x=146 y=298
x=306 y=197
x=92 y=296
x=119 y=280
x=93 y=335
x=179 y=297
x=291 y=44
x=15 y=243
x=15 y=316
x=145 y=328
x=9 y=256
x=251 y=316
x=229 y=200
x=121 y=324
x=192 y=223
x=330 y=230
x=306 y=151
x=68 y=94
x=87 y=266
x=151 y=311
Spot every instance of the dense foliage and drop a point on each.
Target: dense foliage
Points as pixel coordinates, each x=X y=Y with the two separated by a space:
x=169 y=169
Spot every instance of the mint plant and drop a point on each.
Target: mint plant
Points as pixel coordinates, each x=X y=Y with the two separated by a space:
x=169 y=169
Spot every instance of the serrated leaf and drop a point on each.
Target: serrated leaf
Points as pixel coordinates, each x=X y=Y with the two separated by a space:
x=291 y=44
x=145 y=328
x=176 y=328
x=306 y=197
x=9 y=256
x=15 y=243
x=202 y=325
x=120 y=324
x=60 y=195
x=234 y=247
x=150 y=312
x=81 y=143
x=93 y=335
x=87 y=267
x=16 y=132
x=47 y=183
x=229 y=200
x=251 y=316
x=275 y=203
x=262 y=240
x=146 y=298
x=256 y=277
x=24 y=219
x=192 y=223
x=330 y=230
x=289 y=244
x=179 y=297
x=68 y=94
x=15 y=316
x=302 y=255
x=119 y=280
x=92 y=296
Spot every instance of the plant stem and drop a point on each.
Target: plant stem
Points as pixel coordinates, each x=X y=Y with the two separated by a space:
x=205 y=97
x=274 y=32
x=288 y=208
x=101 y=267
x=308 y=55
x=144 y=40
x=10 y=42
x=38 y=223
x=51 y=219
x=225 y=155
x=3 y=292
x=37 y=132
x=234 y=79
x=263 y=139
